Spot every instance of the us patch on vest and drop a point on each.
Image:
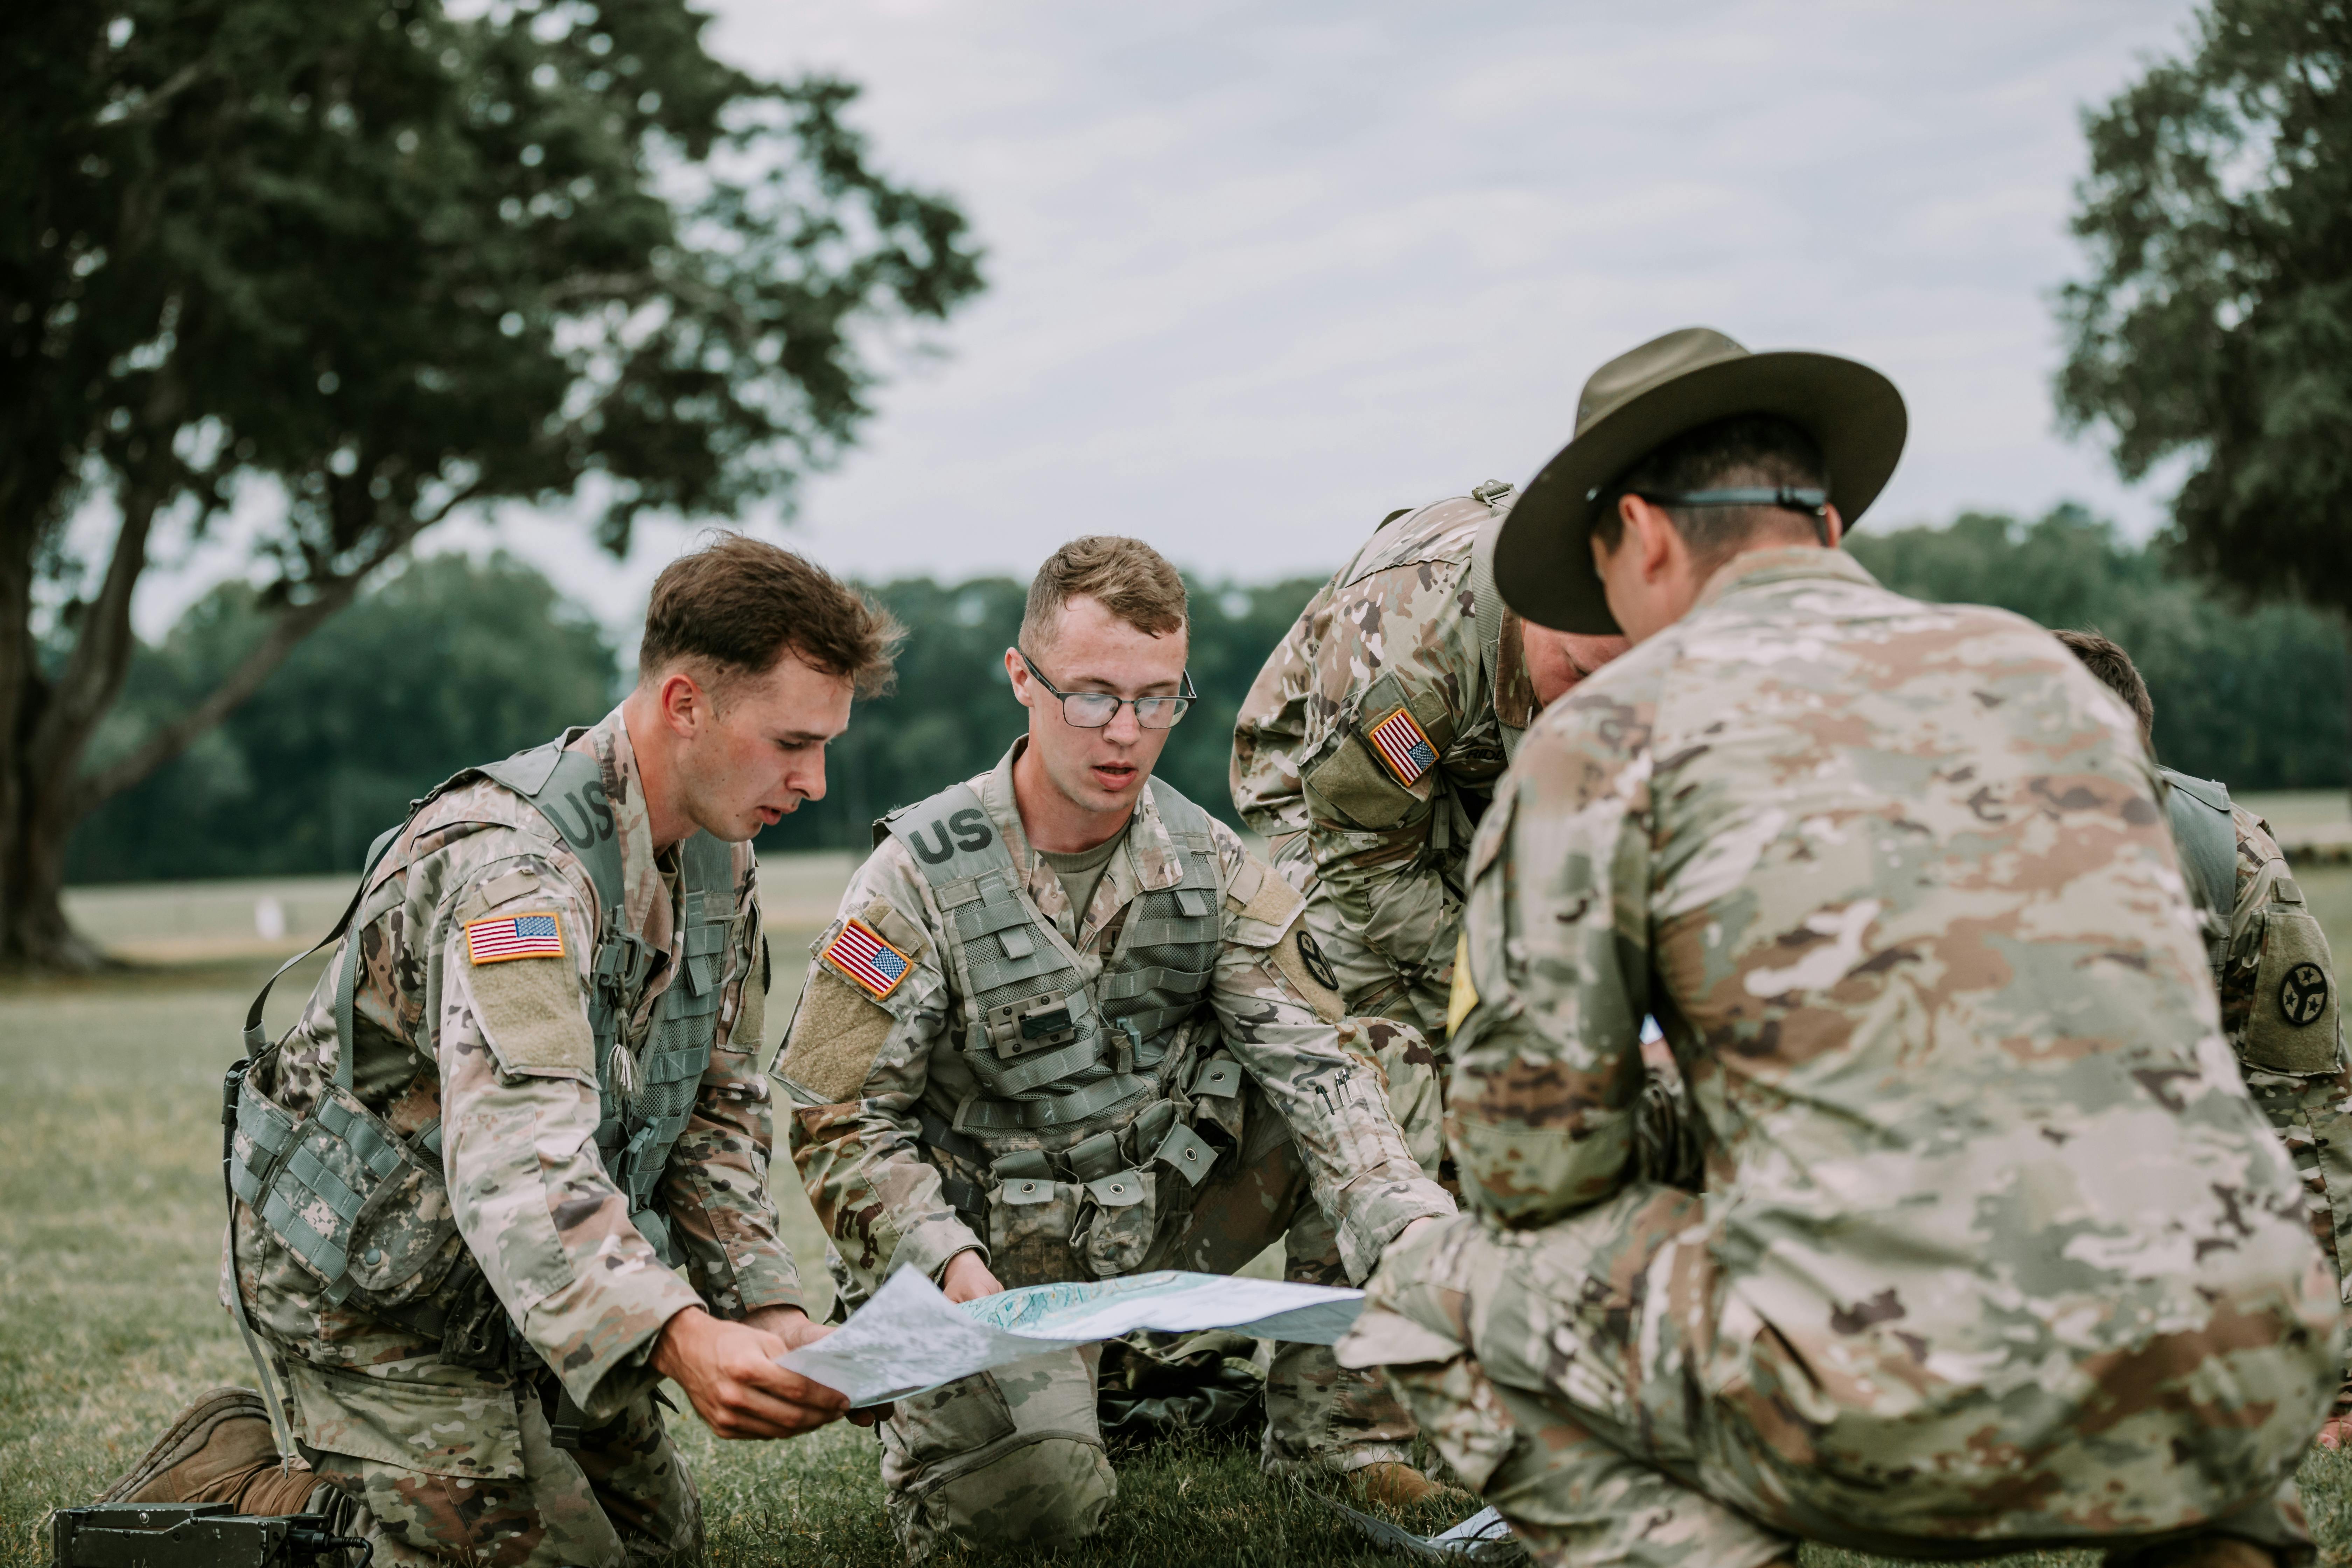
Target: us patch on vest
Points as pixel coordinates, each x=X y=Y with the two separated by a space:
x=1403 y=746
x=514 y=936
x=866 y=961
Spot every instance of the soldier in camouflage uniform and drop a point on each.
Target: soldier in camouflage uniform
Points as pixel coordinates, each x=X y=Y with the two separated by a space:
x=1369 y=747
x=1992 y=1249
x=1063 y=1028
x=526 y=1089
x=2275 y=976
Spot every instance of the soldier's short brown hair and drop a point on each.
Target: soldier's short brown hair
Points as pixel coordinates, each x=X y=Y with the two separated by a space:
x=2114 y=667
x=1743 y=451
x=1130 y=579
x=736 y=605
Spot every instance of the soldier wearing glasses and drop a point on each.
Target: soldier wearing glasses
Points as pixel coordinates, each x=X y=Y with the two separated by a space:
x=1062 y=1029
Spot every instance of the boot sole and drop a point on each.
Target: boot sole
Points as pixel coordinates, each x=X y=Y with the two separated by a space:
x=186 y=1436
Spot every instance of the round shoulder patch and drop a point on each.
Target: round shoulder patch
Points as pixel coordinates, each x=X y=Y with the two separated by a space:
x=2302 y=994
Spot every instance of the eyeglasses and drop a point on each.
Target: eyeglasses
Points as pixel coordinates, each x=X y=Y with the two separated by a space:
x=1094 y=709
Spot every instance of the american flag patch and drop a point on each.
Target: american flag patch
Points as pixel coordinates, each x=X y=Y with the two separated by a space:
x=866 y=959
x=514 y=936
x=1403 y=747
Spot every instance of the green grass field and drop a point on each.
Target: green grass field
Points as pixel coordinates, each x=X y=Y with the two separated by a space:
x=109 y=1237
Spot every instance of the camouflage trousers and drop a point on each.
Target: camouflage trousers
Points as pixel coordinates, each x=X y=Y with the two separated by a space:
x=1560 y=1372
x=449 y=1466
x=2313 y=1117
x=1016 y=1455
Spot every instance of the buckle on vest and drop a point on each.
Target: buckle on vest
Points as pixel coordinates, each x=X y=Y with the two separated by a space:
x=1020 y=1029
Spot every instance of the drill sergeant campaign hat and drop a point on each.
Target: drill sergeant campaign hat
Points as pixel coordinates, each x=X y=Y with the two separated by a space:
x=1640 y=400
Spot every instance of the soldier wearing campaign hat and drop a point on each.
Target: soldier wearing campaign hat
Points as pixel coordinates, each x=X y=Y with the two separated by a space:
x=1992 y=1251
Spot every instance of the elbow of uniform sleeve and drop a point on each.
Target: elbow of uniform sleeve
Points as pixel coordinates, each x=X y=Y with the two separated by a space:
x=1523 y=1176
x=1374 y=1210
x=599 y=1334
x=725 y=1223
x=926 y=1245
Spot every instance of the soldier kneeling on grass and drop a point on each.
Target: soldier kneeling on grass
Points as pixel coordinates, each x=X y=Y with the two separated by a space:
x=522 y=1094
x=1062 y=1029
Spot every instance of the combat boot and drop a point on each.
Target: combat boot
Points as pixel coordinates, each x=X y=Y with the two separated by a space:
x=1393 y=1484
x=2196 y=1551
x=221 y=1449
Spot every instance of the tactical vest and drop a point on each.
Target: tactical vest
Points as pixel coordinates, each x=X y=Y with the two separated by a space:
x=2207 y=837
x=1047 y=1048
x=323 y=1184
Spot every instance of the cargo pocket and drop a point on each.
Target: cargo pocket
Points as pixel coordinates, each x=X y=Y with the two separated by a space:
x=1031 y=1217
x=962 y=1417
x=1117 y=1222
x=361 y=1207
x=1352 y=776
x=2293 y=1027
x=424 y=1416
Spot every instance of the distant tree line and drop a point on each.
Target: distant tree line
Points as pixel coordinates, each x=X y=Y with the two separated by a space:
x=455 y=661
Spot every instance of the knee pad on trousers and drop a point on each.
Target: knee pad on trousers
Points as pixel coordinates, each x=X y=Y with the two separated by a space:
x=1042 y=1488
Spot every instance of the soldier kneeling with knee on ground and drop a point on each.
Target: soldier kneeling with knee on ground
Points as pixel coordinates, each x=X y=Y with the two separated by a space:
x=1064 y=1029
x=1992 y=1250
x=524 y=1091
x=2276 y=977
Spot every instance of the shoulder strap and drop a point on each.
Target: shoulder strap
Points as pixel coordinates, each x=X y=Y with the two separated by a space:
x=253 y=1038
x=950 y=837
x=1186 y=823
x=2206 y=834
x=707 y=865
x=567 y=788
x=545 y=775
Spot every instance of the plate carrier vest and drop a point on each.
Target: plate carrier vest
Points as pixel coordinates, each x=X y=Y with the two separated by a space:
x=317 y=1183
x=1047 y=1048
x=2207 y=837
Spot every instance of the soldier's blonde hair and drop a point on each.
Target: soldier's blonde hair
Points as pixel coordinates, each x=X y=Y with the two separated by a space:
x=1126 y=576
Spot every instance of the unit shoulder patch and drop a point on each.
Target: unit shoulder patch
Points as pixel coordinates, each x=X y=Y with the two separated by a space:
x=2303 y=996
x=1402 y=746
x=859 y=953
x=503 y=938
x=836 y=1035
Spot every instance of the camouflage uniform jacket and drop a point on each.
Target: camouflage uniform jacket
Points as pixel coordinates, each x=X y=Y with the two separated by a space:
x=856 y=1070
x=1380 y=860
x=514 y=1089
x=1893 y=878
x=2293 y=1063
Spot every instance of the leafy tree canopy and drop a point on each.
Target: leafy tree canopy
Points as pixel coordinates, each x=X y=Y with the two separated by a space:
x=467 y=661
x=2255 y=698
x=381 y=261
x=2216 y=325
x=446 y=663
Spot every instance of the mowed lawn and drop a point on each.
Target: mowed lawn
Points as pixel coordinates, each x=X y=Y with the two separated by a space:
x=111 y=1218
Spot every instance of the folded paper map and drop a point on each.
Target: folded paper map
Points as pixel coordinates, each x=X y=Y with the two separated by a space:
x=910 y=1339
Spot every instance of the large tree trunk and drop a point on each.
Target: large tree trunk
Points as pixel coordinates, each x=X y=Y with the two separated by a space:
x=33 y=926
x=53 y=719
x=46 y=723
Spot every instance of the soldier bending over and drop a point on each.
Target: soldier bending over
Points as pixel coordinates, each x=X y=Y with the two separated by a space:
x=1368 y=750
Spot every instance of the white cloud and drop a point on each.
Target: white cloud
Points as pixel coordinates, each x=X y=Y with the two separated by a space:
x=1261 y=274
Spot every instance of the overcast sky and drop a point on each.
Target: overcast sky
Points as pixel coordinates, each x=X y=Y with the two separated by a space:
x=1261 y=273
